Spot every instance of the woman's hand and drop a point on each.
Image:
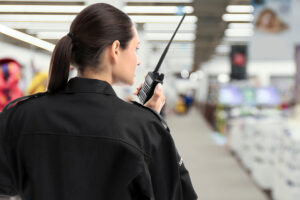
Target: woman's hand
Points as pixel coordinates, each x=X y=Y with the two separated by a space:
x=157 y=101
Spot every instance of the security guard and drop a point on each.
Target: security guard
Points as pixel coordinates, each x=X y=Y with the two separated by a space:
x=80 y=141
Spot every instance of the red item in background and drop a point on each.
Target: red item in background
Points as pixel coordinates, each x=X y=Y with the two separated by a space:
x=239 y=59
x=10 y=74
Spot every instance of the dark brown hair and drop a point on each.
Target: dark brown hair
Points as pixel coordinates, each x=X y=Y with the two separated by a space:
x=94 y=28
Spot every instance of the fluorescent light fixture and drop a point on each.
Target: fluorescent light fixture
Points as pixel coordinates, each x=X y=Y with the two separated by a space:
x=36 y=18
x=39 y=26
x=160 y=1
x=41 y=9
x=240 y=9
x=26 y=38
x=240 y=25
x=158 y=9
x=51 y=35
x=236 y=39
x=167 y=36
x=162 y=19
x=238 y=17
x=61 y=1
x=238 y=32
x=168 y=27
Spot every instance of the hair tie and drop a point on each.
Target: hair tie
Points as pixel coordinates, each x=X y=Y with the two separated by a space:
x=71 y=35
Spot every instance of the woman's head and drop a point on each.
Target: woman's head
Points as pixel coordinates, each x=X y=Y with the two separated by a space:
x=100 y=33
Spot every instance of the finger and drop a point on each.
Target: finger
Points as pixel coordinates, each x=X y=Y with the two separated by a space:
x=138 y=89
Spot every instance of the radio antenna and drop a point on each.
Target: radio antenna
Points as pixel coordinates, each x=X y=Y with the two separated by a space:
x=167 y=47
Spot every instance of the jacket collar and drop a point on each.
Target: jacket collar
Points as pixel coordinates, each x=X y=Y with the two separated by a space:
x=86 y=85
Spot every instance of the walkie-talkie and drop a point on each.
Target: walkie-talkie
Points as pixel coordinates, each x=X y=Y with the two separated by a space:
x=153 y=78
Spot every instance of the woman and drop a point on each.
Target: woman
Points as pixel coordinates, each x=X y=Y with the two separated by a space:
x=79 y=140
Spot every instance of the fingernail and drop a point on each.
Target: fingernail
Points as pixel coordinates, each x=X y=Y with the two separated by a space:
x=159 y=86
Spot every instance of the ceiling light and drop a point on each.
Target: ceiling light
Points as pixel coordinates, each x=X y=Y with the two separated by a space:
x=238 y=17
x=167 y=36
x=51 y=35
x=26 y=38
x=160 y=1
x=168 y=27
x=40 y=8
x=240 y=25
x=158 y=9
x=60 y=1
x=39 y=26
x=238 y=32
x=240 y=9
x=36 y=18
x=162 y=19
x=236 y=39
x=185 y=74
x=194 y=76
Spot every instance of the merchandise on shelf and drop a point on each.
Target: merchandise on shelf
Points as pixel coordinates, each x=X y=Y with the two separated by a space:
x=10 y=74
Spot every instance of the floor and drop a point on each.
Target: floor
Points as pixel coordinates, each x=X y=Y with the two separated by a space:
x=215 y=173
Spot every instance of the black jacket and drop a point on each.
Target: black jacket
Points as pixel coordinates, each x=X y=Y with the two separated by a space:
x=84 y=143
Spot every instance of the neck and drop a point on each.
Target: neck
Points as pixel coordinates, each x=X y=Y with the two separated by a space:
x=103 y=76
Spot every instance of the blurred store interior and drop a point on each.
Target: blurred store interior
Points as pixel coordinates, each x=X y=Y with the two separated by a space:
x=232 y=82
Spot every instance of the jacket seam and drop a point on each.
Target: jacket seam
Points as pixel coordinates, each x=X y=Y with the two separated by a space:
x=92 y=136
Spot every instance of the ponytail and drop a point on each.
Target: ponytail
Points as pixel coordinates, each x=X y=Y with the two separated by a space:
x=60 y=64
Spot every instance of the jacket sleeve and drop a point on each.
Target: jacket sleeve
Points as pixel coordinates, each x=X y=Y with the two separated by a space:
x=6 y=177
x=170 y=179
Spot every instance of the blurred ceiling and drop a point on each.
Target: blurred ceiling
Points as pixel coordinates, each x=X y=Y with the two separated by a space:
x=210 y=28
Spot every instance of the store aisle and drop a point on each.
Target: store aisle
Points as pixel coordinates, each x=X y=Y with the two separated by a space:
x=216 y=174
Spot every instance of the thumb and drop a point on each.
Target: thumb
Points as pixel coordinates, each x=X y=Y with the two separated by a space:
x=157 y=92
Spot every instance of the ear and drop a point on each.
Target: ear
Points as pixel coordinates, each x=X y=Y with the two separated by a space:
x=115 y=50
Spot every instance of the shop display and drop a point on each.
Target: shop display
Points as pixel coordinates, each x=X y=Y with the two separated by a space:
x=10 y=74
x=38 y=83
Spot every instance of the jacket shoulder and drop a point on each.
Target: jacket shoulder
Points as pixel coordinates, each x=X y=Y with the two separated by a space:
x=152 y=113
x=22 y=99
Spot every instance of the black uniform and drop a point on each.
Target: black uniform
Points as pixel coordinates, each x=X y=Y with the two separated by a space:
x=85 y=143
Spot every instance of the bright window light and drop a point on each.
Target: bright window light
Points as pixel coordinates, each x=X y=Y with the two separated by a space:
x=238 y=17
x=240 y=9
x=158 y=9
x=41 y=9
x=162 y=19
x=26 y=38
